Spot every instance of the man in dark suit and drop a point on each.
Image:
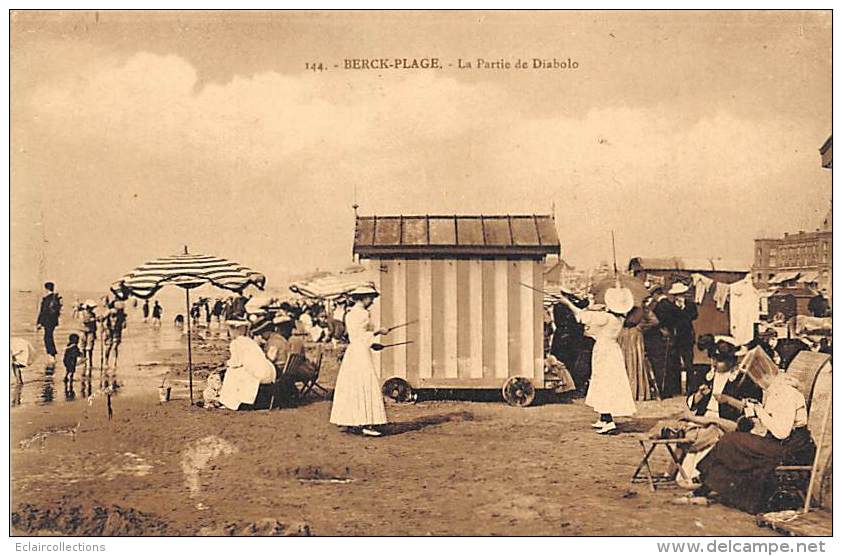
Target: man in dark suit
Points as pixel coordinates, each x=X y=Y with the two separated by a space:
x=48 y=315
x=675 y=321
x=685 y=332
x=663 y=358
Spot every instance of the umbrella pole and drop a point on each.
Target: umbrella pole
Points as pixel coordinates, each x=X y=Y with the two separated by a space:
x=189 y=346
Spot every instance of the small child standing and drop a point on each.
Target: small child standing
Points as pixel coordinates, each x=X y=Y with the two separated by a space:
x=71 y=354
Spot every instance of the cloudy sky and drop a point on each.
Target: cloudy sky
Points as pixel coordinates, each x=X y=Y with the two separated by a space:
x=689 y=134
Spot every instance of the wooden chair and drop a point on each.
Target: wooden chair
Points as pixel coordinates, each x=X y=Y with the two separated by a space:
x=794 y=480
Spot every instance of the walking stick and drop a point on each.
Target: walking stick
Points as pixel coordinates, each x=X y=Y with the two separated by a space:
x=667 y=353
x=189 y=317
x=101 y=355
x=653 y=382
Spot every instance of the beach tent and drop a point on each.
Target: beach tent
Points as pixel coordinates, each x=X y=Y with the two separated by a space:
x=186 y=271
x=329 y=287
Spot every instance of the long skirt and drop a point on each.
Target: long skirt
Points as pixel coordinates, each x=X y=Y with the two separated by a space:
x=609 y=391
x=741 y=467
x=357 y=398
x=637 y=365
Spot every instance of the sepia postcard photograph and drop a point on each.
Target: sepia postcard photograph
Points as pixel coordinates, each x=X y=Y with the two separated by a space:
x=413 y=273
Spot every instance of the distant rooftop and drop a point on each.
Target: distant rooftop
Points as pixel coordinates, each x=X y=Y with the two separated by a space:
x=689 y=265
x=531 y=236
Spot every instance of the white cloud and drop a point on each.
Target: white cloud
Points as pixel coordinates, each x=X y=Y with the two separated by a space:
x=276 y=156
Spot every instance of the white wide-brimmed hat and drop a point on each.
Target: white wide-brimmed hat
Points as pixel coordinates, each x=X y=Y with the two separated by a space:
x=678 y=288
x=237 y=323
x=363 y=291
x=90 y=303
x=619 y=300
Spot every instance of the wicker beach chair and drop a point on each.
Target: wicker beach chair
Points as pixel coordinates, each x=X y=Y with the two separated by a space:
x=793 y=481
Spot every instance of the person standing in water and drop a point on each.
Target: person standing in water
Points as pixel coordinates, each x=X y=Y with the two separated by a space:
x=48 y=315
x=145 y=310
x=157 y=311
x=89 y=324
x=114 y=323
x=357 y=400
x=609 y=392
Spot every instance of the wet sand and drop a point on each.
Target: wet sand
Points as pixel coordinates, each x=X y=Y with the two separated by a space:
x=444 y=468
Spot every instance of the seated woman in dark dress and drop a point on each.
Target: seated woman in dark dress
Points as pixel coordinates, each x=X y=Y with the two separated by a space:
x=740 y=469
x=715 y=407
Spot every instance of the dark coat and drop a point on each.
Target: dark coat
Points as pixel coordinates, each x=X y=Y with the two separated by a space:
x=677 y=321
x=685 y=332
x=49 y=311
x=741 y=388
x=568 y=334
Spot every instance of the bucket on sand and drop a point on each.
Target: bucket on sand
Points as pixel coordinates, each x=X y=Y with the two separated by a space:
x=164 y=393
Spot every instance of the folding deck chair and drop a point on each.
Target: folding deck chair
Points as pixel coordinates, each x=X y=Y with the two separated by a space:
x=312 y=385
x=795 y=479
x=649 y=446
x=278 y=385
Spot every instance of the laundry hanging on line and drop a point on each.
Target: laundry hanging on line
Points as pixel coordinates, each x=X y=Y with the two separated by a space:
x=721 y=294
x=701 y=285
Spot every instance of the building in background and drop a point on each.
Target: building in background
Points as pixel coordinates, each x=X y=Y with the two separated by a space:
x=558 y=273
x=804 y=259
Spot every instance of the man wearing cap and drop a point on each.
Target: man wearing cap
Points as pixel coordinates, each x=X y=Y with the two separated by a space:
x=247 y=368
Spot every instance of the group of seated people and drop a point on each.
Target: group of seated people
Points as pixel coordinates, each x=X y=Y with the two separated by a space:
x=746 y=418
x=258 y=355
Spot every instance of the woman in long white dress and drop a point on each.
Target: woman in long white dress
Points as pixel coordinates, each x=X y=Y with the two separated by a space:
x=357 y=398
x=609 y=392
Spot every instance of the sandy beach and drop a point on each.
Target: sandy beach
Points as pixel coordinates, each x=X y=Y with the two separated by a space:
x=444 y=468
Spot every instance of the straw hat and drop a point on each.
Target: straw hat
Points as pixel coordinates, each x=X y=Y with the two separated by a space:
x=619 y=300
x=237 y=323
x=262 y=326
x=364 y=291
x=678 y=288
x=281 y=318
x=90 y=303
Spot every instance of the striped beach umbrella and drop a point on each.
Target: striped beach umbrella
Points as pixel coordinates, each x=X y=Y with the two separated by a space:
x=187 y=271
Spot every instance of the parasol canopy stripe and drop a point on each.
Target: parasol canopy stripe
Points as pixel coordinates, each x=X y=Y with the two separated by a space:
x=187 y=271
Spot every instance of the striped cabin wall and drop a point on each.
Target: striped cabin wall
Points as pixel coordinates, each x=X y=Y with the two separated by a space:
x=476 y=324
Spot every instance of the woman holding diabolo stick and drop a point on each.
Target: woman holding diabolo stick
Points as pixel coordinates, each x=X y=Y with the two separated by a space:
x=609 y=393
x=357 y=400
